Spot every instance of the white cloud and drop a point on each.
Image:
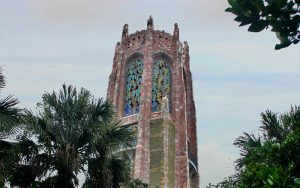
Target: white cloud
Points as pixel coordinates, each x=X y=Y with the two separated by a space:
x=214 y=163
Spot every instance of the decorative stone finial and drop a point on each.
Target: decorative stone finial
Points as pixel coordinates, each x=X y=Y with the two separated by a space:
x=150 y=23
x=186 y=47
x=118 y=46
x=125 y=31
x=176 y=31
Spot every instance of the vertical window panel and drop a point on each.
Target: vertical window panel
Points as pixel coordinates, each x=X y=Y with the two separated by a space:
x=161 y=83
x=133 y=87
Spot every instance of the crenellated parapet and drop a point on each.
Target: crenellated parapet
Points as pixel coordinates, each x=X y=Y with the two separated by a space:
x=164 y=40
x=159 y=40
x=135 y=40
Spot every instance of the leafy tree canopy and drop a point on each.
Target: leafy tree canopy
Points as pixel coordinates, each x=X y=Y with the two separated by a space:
x=271 y=159
x=282 y=16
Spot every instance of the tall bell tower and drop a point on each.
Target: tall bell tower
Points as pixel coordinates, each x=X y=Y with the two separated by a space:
x=151 y=89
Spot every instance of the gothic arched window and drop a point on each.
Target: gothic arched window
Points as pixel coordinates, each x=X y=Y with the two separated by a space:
x=161 y=83
x=133 y=87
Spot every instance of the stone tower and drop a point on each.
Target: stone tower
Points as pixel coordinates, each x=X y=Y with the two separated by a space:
x=151 y=88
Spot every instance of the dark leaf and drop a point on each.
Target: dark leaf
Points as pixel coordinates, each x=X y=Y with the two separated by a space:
x=282 y=45
x=281 y=3
x=295 y=41
x=229 y=9
x=274 y=10
x=232 y=2
x=297 y=181
x=2 y=79
x=258 y=26
x=294 y=24
x=243 y=19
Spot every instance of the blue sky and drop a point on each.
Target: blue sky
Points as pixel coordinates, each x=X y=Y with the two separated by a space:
x=236 y=74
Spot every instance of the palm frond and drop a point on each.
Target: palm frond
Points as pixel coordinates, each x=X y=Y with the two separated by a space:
x=271 y=126
x=2 y=79
x=8 y=155
x=291 y=119
x=247 y=143
x=120 y=170
x=9 y=116
x=113 y=137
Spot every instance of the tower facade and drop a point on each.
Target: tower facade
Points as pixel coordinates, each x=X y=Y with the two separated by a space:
x=151 y=89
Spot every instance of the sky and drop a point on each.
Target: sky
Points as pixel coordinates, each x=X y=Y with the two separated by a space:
x=236 y=74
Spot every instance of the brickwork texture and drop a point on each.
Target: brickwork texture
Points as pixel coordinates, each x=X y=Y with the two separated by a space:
x=166 y=150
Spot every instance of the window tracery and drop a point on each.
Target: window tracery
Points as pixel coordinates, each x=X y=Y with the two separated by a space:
x=161 y=78
x=133 y=87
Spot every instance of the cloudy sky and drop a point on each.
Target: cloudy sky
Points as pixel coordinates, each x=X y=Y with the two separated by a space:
x=236 y=74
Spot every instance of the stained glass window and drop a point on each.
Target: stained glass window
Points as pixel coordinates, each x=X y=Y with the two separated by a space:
x=133 y=87
x=161 y=78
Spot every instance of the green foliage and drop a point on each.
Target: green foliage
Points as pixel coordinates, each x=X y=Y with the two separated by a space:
x=106 y=168
x=9 y=125
x=229 y=182
x=282 y=16
x=271 y=159
x=9 y=113
x=64 y=126
x=297 y=181
x=72 y=129
x=137 y=184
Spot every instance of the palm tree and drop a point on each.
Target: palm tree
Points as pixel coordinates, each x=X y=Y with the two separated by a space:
x=65 y=125
x=30 y=164
x=106 y=168
x=72 y=129
x=9 y=119
x=247 y=143
x=273 y=157
x=13 y=151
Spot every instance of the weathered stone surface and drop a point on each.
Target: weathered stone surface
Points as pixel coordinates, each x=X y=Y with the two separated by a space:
x=166 y=150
